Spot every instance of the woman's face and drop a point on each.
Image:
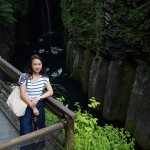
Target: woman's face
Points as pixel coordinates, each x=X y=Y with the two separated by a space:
x=36 y=65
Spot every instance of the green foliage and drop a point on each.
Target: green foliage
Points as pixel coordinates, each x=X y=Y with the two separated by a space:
x=84 y=21
x=11 y=85
x=6 y=13
x=11 y=9
x=93 y=103
x=119 y=139
x=133 y=25
x=81 y=18
x=50 y=118
x=20 y=7
x=90 y=136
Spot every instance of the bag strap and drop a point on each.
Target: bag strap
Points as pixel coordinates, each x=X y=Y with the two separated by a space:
x=26 y=81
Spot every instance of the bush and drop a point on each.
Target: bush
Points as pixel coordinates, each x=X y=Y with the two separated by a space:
x=89 y=136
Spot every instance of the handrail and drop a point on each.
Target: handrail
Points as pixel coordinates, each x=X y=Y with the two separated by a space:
x=10 y=66
x=61 y=107
x=33 y=135
x=68 y=115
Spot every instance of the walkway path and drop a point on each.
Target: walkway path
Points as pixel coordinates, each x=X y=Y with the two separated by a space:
x=7 y=130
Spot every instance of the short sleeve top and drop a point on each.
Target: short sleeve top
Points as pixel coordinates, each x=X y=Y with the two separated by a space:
x=34 y=88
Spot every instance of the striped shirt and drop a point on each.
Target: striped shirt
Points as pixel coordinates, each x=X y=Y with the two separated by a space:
x=34 y=88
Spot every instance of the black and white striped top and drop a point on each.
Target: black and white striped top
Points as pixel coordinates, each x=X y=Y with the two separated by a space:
x=34 y=88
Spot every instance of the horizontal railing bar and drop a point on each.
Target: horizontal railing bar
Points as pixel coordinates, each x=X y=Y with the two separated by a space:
x=52 y=109
x=38 y=133
x=9 y=75
x=5 y=87
x=10 y=66
x=58 y=139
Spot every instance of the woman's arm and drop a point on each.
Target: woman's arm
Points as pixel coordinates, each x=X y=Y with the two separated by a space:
x=48 y=93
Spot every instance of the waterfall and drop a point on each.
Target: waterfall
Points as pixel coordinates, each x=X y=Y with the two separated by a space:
x=43 y=20
x=48 y=17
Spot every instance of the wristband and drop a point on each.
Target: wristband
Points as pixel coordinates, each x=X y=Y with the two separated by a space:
x=41 y=98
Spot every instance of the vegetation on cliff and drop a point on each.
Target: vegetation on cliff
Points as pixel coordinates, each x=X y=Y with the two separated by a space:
x=81 y=18
x=11 y=10
x=123 y=24
x=6 y=13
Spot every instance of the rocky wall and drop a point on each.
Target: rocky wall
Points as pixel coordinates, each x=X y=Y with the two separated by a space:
x=115 y=66
x=97 y=81
x=7 y=41
x=121 y=88
x=113 y=90
x=7 y=45
x=137 y=120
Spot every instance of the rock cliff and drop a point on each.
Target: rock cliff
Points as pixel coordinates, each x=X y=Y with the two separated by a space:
x=108 y=52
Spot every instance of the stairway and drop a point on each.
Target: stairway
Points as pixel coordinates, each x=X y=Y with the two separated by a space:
x=9 y=124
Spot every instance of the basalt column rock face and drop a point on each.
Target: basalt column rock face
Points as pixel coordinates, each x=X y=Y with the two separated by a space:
x=77 y=64
x=113 y=88
x=136 y=98
x=118 y=89
x=97 y=80
x=138 y=115
x=87 y=63
x=74 y=60
x=142 y=130
x=70 y=56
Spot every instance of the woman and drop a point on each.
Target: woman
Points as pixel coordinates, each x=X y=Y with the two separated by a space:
x=31 y=92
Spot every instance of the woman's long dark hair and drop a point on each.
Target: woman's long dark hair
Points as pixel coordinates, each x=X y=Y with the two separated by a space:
x=28 y=68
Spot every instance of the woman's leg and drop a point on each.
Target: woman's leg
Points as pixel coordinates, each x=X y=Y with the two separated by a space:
x=26 y=122
x=26 y=126
x=40 y=123
x=41 y=116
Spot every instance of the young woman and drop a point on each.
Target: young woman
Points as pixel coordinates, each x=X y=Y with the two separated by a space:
x=31 y=88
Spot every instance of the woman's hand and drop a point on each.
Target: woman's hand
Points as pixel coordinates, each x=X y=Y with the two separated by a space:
x=35 y=101
x=32 y=105
x=36 y=111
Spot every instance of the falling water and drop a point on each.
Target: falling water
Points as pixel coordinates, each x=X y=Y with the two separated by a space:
x=43 y=20
x=48 y=17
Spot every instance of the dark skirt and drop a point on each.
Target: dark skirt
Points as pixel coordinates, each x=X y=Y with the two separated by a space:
x=26 y=121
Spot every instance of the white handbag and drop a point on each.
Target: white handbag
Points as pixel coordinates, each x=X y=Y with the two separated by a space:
x=14 y=101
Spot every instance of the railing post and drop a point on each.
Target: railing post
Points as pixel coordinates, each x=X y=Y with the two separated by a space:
x=69 y=134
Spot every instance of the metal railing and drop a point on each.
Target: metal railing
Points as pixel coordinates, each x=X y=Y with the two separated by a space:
x=52 y=105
